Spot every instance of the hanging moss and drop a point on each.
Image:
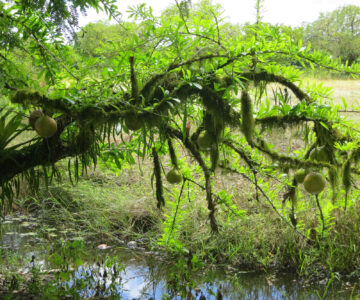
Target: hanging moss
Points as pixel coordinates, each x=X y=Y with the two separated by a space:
x=214 y=157
x=333 y=178
x=134 y=81
x=346 y=178
x=356 y=155
x=153 y=119
x=158 y=180
x=247 y=118
x=26 y=97
x=293 y=196
x=172 y=154
x=93 y=114
x=85 y=138
x=153 y=90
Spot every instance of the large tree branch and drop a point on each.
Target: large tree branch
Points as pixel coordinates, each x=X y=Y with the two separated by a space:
x=45 y=152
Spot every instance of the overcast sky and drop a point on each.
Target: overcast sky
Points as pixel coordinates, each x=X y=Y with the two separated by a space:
x=288 y=12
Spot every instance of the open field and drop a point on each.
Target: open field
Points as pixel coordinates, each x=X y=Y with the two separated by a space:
x=339 y=90
x=348 y=89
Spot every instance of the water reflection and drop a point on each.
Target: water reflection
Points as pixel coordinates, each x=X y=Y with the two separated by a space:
x=136 y=275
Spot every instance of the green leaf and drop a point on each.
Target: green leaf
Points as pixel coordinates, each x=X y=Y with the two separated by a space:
x=324 y=125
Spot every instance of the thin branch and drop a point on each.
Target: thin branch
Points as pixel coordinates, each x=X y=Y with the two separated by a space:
x=196 y=154
x=112 y=14
x=176 y=210
x=55 y=57
x=269 y=201
x=219 y=200
x=196 y=34
x=42 y=46
x=321 y=214
x=47 y=65
x=217 y=26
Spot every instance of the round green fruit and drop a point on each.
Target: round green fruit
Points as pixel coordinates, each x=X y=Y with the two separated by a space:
x=320 y=154
x=300 y=175
x=34 y=115
x=132 y=122
x=204 y=140
x=45 y=126
x=174 y=176
x=314 y=183
x=323 y=155
x=313 y=154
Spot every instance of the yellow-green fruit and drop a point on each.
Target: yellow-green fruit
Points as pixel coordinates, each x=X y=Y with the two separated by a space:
x=319 y=154
x=45 y=126
x=313 y=154
x=323 y=155
x=300 y=175
x=153 y=120
x=132 y=122
x=204 y=140
x=314 y=183
x=174 y=176
x=34 y=115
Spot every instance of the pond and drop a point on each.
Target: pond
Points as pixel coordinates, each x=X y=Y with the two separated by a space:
x=128 y=271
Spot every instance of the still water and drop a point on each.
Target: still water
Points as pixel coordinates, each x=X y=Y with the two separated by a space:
x=123 y=273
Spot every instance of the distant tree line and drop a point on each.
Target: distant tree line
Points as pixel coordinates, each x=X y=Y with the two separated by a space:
x=337 y=33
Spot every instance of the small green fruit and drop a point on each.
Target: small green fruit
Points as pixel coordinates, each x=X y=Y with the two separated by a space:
x=34 y=115
x=319 y=154
x=314 y=183
x=45 y=126
x=300 y=175
x=204 y=140
x=323 y=154
x=133 y=122
x=174 y=176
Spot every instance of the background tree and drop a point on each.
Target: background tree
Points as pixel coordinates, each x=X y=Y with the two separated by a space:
x=337 y=32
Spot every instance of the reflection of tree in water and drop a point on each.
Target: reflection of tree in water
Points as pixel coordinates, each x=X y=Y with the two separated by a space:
x=159 y=279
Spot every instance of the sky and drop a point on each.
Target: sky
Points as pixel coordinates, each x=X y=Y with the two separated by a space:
x=287 y=12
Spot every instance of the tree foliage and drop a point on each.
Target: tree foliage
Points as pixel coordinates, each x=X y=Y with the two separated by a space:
x=337 y=32
x=174 y=79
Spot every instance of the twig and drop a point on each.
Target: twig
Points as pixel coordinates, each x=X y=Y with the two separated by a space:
x=42 y=46
x=196 y=34
x=321 y=214
x=176 y=210
x=196 y=154
x=270 y=202
x=217 y=26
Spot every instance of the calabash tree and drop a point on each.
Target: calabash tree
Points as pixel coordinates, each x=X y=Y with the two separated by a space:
x=182 y=79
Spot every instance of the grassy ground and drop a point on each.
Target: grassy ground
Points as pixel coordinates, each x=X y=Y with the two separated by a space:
x=347 y=89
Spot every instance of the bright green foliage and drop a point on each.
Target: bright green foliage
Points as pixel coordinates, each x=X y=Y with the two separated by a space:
x=181 y=74
x=10 y=128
